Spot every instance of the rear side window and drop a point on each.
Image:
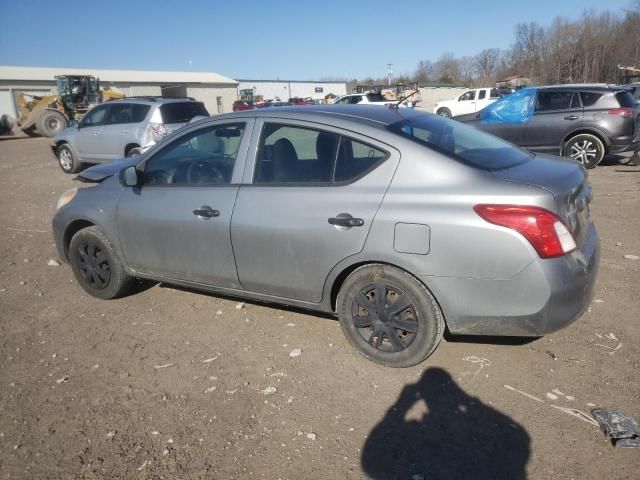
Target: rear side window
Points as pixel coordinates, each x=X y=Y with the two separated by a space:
x=482 y=94
x=376 y=97
x=548 y=101
x=589 y=98
x=625 y=99
x=355 y=158
x=292 y=154
x=127 y=113
x=182 y=112
x=461 y=142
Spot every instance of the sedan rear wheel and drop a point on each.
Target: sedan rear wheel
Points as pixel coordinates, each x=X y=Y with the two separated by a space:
x=586 y=149
x=389 y=316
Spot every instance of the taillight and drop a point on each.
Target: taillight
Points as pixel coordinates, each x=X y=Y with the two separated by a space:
x=158 y=131
x=622 y=112
x=544 y=230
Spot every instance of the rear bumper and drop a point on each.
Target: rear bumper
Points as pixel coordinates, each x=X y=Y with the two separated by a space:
x=544 y=297
x=624 y=144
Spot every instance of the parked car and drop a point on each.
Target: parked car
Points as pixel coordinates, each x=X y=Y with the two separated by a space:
x=363 y=99
x=240 y=105
x=122 y=128
x=297 y=101
x=582 y=122
x=473 y=100
x=396 y=221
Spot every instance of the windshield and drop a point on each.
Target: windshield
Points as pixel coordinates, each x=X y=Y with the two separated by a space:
x=461 y=142
x=182 y=112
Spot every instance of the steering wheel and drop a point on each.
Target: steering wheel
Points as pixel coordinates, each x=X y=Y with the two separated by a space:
x=202 y=171
x=157 y=177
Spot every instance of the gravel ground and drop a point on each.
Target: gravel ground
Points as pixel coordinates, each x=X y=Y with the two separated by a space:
x=170 y=383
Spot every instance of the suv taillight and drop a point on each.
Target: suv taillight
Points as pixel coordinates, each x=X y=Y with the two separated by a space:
x=544 y=230
x=158 y=131
x=622 y=112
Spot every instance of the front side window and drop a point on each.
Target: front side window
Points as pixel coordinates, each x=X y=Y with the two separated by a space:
x=94 y=117
x=344 y=100
x=513 y=108
x=204 y=157
x=470 y=95
x=461 y=142
x=299 y=155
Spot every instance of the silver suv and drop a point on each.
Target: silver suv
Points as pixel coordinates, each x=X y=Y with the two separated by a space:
x=122 y=128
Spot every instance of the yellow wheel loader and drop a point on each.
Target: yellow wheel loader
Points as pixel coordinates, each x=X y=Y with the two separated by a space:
x=50 y=114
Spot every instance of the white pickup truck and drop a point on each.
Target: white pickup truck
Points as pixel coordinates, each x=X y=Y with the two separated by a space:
x=471 y=101
x=363 y=99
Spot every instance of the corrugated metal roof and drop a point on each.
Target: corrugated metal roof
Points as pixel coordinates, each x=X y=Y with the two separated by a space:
x=244 y=80
x=140 y=76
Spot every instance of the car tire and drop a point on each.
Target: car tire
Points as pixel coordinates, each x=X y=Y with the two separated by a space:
x=96 y=265
x=385 y=337
x=67 y=159
x=51 y=123
x=444 y=112
x=133 y=151
x=586 y=149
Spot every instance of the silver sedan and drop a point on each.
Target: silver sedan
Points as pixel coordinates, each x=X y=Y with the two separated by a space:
x=399 y=222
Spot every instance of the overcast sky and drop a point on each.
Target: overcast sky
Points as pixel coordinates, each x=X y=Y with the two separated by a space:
x=300 y=40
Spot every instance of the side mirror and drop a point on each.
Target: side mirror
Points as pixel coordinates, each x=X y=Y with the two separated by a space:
x=130 y=177
x=74 y=124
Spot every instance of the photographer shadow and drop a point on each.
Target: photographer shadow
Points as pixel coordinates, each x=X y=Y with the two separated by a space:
x=458 y=437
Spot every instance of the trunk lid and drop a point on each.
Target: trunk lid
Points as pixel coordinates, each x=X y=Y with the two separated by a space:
x=566 y=180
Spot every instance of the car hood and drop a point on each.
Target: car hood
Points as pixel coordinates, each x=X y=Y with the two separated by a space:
x=106 y=170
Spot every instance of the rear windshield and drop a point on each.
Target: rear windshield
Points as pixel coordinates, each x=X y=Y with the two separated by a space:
x=625 y=99
x=182 y=112
x=461 y=142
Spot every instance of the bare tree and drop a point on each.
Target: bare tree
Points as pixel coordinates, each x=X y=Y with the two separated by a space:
x=486 y=65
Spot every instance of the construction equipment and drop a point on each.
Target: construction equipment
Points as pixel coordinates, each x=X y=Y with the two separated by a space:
x=50 y=114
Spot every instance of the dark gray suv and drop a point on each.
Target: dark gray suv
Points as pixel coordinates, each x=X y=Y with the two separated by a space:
x=582 y=122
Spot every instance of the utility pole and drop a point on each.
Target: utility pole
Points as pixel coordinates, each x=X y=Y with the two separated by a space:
x=389 y=72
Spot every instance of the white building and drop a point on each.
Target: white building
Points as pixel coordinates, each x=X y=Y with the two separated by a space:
x=286 y=89
x=216 y=91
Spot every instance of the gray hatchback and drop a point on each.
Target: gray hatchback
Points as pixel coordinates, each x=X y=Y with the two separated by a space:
x=399 y=222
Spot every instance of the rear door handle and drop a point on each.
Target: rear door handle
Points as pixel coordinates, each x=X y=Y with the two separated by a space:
x=572 y=117
x=346 y=220
x=206 y=212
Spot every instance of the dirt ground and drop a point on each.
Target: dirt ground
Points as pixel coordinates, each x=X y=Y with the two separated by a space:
x=169 y=383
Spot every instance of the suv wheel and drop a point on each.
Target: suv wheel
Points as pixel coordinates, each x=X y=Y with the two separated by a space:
x=133 y=151
x=585 y=148
x=96 y=266
x=444 y=112
x=67 y=159
x=389 y=316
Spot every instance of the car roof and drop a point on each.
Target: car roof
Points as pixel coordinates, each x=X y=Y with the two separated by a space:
x=373 y=115
x=153 y=100
x=584 y=88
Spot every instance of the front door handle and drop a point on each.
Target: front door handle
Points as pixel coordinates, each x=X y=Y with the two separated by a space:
x=346 y=220
x=571 y=117
x=124 y=131
x=206 y=212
